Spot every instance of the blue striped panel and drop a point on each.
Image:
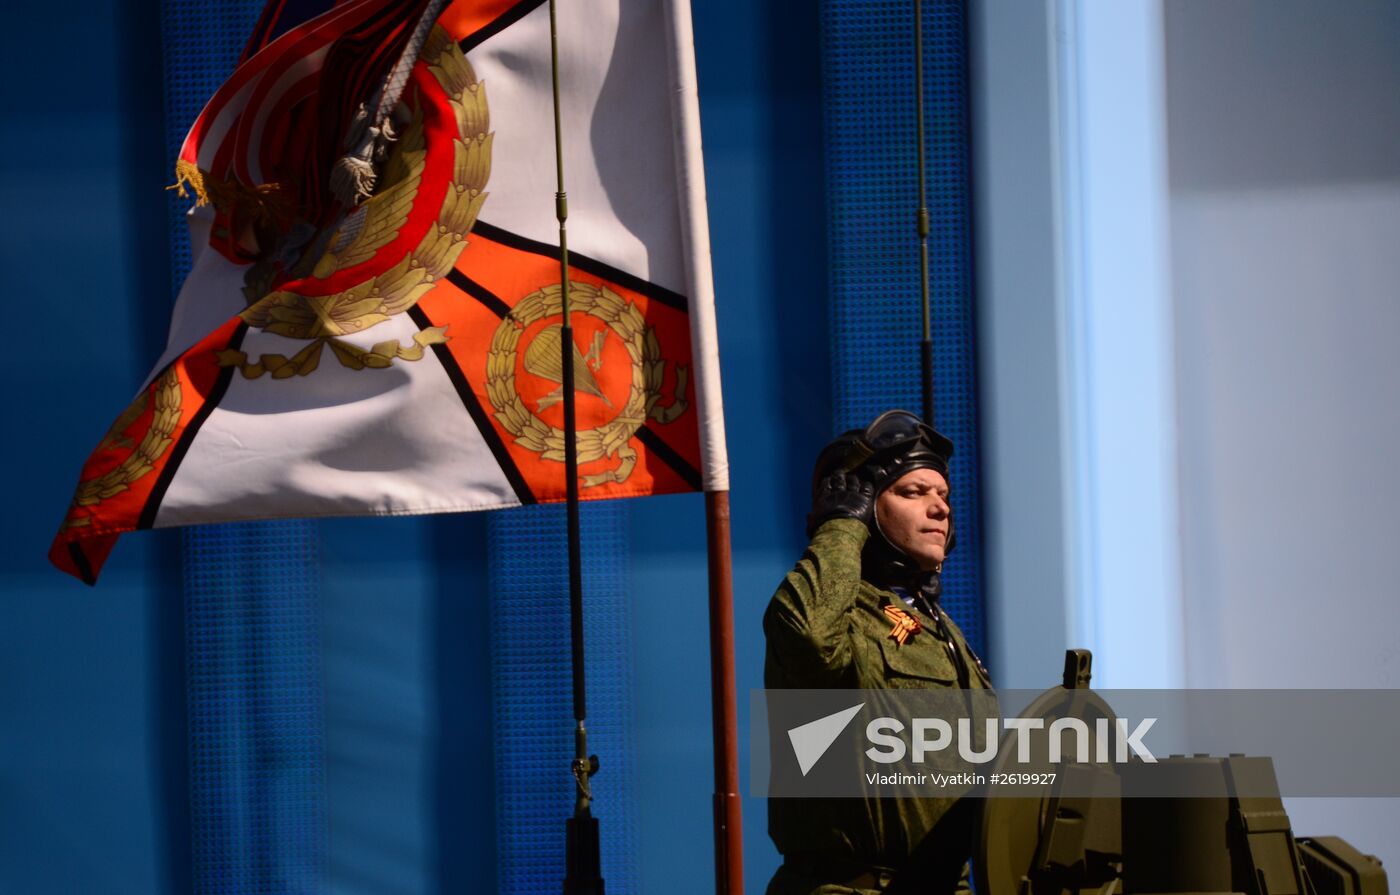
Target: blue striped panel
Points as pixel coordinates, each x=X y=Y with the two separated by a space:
x=533 y=697
x=872 y=190
x=257 y=774
x=252 y=623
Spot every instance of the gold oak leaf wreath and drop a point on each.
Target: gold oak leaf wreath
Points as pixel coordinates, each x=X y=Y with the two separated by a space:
x=143 y=456
x=610 y=439
x=323 y=319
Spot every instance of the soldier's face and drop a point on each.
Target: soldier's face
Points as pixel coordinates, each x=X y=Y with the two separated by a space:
x=913 y=513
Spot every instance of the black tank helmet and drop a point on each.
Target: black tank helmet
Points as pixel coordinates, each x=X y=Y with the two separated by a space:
x=896 y=443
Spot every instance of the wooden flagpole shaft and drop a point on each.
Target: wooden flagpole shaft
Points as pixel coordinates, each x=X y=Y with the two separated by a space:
x=728 y=819
x=729 y=831
x=582 y=852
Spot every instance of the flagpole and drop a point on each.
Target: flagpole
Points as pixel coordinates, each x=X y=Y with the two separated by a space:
x=582 y=858
x=685 y=109
x=922 y=221
x=728 y=817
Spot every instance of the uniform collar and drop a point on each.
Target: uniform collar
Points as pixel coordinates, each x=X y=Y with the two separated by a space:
x=914 y=601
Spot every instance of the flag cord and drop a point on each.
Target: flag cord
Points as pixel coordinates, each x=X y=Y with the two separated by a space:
x=582 y=858
x=922 y=221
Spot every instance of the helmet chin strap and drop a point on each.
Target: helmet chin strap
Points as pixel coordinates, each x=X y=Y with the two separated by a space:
x=893 y=566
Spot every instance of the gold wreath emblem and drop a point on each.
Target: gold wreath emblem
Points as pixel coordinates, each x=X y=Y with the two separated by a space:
x=648 y=371
x=144 y=454
x=322 y=319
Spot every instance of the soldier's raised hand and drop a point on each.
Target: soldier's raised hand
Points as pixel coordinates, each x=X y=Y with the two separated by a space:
x=841 y=495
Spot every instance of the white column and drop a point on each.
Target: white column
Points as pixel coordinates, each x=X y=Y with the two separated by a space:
x=1119 y=449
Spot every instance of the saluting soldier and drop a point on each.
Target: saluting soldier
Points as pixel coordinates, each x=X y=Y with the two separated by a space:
x=861 y=610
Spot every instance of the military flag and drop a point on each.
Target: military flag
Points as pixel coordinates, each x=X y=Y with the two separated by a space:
x=372 y=320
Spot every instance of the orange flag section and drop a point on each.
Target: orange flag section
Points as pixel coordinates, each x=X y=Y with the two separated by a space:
x=637 y=429
x=464 y=20
x=120 y=486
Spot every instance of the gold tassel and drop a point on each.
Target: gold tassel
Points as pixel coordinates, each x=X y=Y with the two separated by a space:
x=267 y=203
x=189 y=173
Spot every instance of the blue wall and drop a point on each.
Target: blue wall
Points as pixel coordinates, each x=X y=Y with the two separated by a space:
x=92 y=752
x=91 y=694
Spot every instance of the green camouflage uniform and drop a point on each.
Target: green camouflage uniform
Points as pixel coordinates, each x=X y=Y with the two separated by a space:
x=826 y=628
